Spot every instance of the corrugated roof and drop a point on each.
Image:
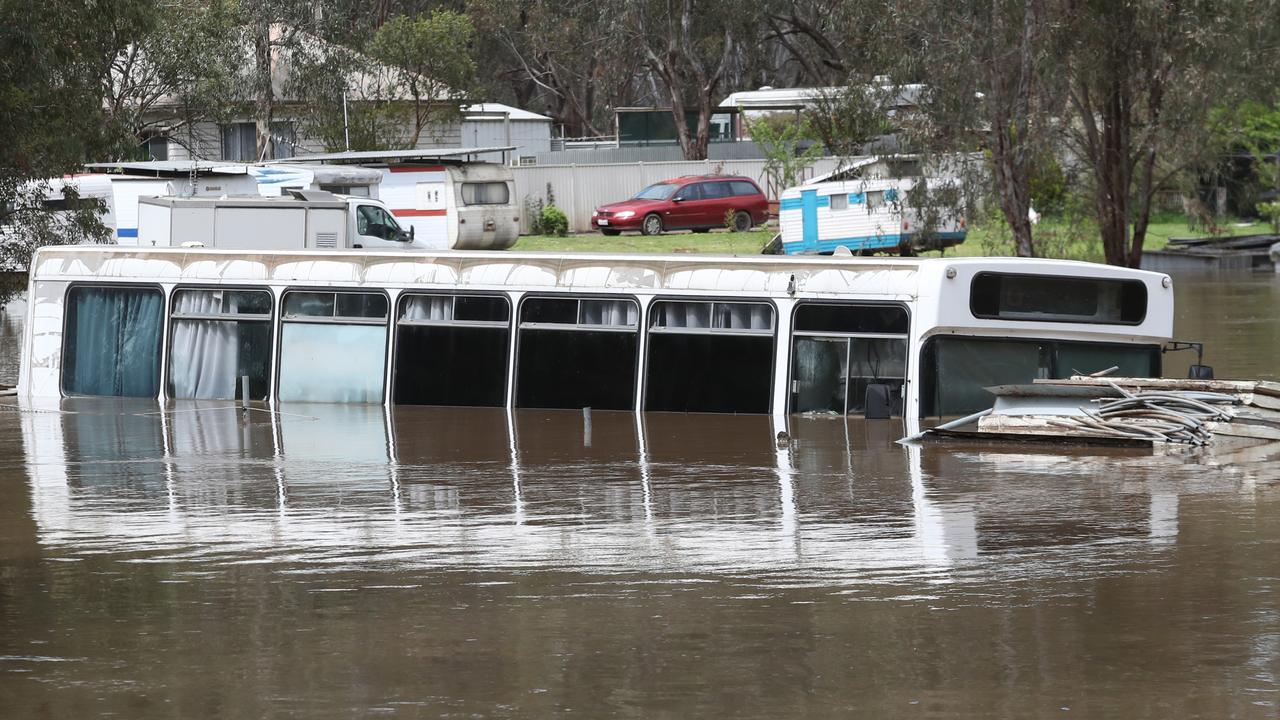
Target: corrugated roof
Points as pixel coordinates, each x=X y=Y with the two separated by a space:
x=174 y=166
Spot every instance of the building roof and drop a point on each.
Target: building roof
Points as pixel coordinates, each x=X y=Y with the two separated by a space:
x=769 y=98
x=376 y=155
x=498 y=111
x=174 y=167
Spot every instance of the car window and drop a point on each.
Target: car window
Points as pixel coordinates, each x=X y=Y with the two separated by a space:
x=690 y=192
x=742 y=187
x=715 y=190
x=661 y=191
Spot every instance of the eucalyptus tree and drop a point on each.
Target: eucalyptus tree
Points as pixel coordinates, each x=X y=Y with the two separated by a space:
x=1143 y=78
x=689 y=48
x=429 y=59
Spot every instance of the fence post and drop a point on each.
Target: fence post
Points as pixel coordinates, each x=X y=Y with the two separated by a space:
x=573 y=198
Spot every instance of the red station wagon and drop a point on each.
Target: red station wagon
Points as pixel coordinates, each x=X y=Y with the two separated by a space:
x=695 y=202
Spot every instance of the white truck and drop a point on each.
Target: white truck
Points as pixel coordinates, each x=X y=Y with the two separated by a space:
x=303 y=219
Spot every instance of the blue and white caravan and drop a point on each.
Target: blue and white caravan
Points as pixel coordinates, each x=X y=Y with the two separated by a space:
x=862 y=214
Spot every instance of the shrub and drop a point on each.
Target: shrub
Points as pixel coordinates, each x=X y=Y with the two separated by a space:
x=1271 y=211
x=552 y=221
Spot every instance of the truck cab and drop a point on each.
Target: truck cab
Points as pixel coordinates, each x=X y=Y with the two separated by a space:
x=372 y=226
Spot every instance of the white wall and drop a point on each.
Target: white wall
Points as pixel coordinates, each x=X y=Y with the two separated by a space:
x=579 y=189
x=529 y=136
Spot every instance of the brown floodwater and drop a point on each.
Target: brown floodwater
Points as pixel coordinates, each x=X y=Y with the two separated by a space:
x=337 y=562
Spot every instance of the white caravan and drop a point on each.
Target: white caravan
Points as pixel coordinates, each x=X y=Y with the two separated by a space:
x=159 y=178
x=452 y=202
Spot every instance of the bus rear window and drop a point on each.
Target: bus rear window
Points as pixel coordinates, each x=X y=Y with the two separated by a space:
x=1051 y=298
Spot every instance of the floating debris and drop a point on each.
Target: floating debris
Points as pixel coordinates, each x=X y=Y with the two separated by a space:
x=1128 y=411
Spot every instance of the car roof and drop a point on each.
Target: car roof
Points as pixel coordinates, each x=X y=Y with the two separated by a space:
x=686 y=179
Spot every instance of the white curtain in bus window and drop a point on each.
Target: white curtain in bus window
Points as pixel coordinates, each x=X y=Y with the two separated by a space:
x=710 y=357
x=452 y=350
x=333 y=347
x=575 y=353
x=112 y=342
x=218 y=337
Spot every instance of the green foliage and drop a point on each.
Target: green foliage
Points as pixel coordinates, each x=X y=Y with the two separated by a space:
x=787 y=143
x=551 y=220
x=430 y=58
x=373 y=120
x=182 y=68
x=1047 y=185
x=1271 y=211
x=55 y=59
x=28 y=225
x=847 y=119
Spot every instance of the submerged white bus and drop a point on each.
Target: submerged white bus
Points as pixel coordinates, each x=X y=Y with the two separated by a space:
x=838 y=335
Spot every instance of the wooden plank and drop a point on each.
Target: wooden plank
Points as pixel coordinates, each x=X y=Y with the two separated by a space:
x=1246 y=430
x=1220 y=386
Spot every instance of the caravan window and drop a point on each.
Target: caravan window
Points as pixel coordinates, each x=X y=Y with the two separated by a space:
x=356 y=190
x=840 y=202
x=485 y=193
x=218 y=337
x=111 y=345
x=333 y=347
x=452 y=350
x=710 y=356
x=875 y=200
x=578 y=352
x=838 y=350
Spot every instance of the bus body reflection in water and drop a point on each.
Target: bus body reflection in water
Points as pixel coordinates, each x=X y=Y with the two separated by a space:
x=346 y=485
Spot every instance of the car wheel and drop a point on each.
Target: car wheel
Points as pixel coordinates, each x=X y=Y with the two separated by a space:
x=741 y=221
x=610 y=233
x=652 y=225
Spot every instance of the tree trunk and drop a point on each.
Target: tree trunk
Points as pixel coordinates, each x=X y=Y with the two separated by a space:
x=1114 y=179
x=265 y=101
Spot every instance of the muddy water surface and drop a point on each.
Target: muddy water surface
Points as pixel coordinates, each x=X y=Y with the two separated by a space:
x=354 y=562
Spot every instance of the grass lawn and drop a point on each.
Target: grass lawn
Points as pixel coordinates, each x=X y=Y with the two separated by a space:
x=716 y=241
x=1054 y=237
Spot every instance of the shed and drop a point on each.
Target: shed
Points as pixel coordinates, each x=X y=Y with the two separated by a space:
x=495 y=124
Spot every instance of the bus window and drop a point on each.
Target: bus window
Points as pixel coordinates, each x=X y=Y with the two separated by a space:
x=452 y=350
x=710 y=357
x=577 y=353
x=333 y=347
x=954 y=370
x=112 y=342
x=839 y=350
x=219 y=336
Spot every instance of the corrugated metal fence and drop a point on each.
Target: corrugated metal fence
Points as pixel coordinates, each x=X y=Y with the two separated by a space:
x=579 y=189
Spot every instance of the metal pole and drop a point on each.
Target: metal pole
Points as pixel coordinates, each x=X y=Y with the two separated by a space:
x=346 y=127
